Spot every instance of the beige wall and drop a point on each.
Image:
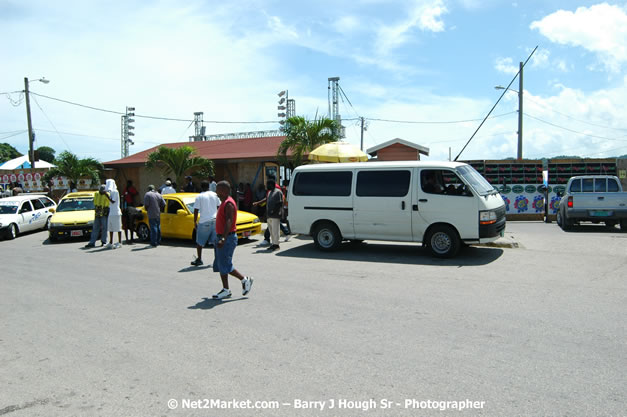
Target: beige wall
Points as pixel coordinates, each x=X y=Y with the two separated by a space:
x=621 y=165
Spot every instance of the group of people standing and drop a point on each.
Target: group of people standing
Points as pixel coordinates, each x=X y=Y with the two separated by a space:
x=108 y=216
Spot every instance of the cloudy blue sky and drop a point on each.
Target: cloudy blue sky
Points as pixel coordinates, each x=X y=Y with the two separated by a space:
x=422 y=61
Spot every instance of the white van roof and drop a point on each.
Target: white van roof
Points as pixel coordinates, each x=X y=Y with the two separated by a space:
x=379 y=165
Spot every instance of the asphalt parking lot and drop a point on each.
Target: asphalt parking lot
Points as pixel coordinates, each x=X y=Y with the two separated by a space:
x=533 y=330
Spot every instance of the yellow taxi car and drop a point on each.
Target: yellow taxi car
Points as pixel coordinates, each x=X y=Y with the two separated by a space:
x=177 y=219
x=74 y=216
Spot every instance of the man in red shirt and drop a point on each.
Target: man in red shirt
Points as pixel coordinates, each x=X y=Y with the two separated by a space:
x=226 y=220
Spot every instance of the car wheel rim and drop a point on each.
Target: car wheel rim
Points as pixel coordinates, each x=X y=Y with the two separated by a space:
x=143 y=232
x=441 y=242
x=47 y=224
x=326 y=238
x=13 y=231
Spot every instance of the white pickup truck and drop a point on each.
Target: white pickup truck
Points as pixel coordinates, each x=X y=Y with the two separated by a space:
x=594 y=198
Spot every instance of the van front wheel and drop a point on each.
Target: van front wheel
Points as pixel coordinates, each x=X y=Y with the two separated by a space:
x=327 y=237
x=443 y=241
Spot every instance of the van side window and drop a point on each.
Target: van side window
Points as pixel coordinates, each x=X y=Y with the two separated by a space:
x=328 y=184
x=575 y=186
x=383 y=183
x=612 y=185
x=438 y=181
x=587 y=185
x=600 y=185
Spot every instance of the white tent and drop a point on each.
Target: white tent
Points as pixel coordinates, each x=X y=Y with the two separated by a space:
x=23 y=163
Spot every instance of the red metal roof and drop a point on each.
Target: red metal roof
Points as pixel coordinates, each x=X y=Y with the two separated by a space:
x=257 y=148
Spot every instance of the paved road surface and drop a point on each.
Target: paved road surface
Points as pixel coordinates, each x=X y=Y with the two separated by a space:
x=537 y=330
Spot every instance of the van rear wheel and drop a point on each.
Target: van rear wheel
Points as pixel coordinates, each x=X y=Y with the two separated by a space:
x=327 y=237
x=443 y=241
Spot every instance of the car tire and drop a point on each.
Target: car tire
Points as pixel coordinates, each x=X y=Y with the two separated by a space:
x=52 y=237
x=12 y=231
x=563 y=221
x=327 y=237
x=443 y=241
x=143 y=232
x=47 y=225
x=623 y=225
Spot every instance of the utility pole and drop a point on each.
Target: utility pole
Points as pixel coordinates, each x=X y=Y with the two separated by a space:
x=520 y=113
x=362 y=133
x=31 y=151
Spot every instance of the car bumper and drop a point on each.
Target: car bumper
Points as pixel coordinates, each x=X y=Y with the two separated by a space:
x=494 y=230
x=70 y=231
x=246 y=232
x=603 y=214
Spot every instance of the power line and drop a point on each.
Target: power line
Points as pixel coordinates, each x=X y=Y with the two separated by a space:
x=51 y=124
x=150 y=117
x=14 y=134
x=439 y=122
x=573 y=131
x=574 y=118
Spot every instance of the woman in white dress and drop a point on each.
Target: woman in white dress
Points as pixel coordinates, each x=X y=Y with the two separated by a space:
x=114 y=221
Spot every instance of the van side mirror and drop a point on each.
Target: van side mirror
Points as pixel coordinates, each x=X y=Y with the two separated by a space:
x=181 y=212
x=51 y=209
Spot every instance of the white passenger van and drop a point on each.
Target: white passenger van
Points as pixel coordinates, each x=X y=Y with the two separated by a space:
x=440 y=204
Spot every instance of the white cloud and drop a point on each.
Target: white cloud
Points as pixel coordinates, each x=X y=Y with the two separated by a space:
x=601 y=29
x=425 y=15
x=505 y=65
x=346 y=24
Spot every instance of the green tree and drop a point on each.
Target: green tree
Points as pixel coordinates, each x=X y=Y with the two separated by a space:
x=74 y=168
x=46 y=153
x=8 y=152
x=179 y=162
x=302 y=136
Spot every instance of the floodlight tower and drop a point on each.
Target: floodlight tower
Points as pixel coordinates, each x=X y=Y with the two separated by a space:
x=334 y=110
x=126 y=131
x=199 y=128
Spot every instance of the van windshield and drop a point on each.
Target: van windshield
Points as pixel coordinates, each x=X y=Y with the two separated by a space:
x=475 y=180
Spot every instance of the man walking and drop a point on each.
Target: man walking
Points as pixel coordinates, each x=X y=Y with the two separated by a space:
x=275 y=211
x=206 y=205
x=101 y=208
x=227 y=241
x=154 y=204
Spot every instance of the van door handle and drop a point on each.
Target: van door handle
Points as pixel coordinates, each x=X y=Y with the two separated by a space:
x=402 y=205
x=601 y=198
x=415 y=207
x=423 y=200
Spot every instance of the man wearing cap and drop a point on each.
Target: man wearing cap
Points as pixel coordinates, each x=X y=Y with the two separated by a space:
x=154 y=204
x=168 y=188
x=189 y=187
x=101 y=208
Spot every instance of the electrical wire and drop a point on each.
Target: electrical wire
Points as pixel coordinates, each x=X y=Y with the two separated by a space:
x=440 y=122
x=574 y=118
x=571 y=130
x=147 y=116
x=51 y=124
x=14 y=134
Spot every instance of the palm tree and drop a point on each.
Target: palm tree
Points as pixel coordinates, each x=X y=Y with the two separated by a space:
x=303 y=136
x=74 y=168
x=178 y=161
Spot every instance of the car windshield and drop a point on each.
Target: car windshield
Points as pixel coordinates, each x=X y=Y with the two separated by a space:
x=8 y=208
x=189 y=202
x=76 y=204
x=475 y=180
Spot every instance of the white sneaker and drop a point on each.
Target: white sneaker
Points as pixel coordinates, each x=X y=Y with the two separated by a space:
x=247 y=284
x=264 y=243
x=109 y=246
x=117 y=245
x=287 y=238
x=224 y=293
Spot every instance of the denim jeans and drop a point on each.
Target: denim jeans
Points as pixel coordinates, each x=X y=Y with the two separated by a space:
x=99 y=229
x=155 y=231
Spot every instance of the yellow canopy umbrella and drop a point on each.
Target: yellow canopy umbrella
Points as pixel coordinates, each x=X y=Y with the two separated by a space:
x=337 y=152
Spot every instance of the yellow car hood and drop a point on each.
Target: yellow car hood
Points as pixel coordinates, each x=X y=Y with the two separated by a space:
x=73 y=217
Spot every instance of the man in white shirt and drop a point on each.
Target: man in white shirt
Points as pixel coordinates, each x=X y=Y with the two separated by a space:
x=205 y=210
x=168 y=188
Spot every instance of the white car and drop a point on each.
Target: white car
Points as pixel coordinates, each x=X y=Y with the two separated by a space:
x=24 y=213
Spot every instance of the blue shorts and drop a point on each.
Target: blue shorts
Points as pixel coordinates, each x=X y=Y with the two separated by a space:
x=223 y=262
x=206 y=232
